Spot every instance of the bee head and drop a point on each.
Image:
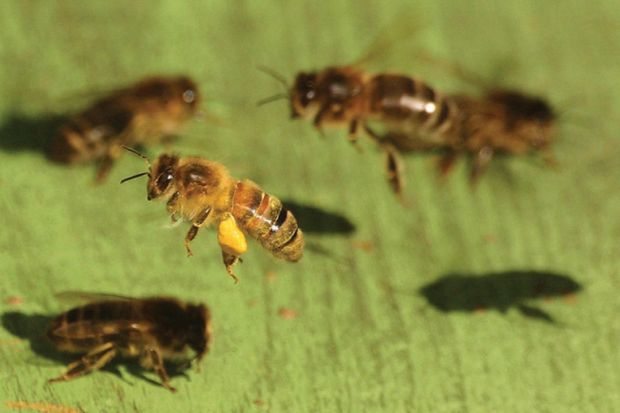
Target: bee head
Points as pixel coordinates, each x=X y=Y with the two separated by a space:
x=542 y=116
x=532 y=111
x=199 y=329
x=304 y=94
x=161 y=178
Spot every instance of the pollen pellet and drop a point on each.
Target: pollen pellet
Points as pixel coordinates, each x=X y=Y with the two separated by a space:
x=230 y=237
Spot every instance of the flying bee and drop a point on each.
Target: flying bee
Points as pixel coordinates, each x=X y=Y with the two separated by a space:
x=152 y=329
x=204 y=193
x=147 y=112
x=414 y=116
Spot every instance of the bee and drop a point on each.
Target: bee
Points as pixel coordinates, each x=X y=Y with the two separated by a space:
x=417 y=117
x=502 y=121
x=153 y=329
x=147 y=112
x=204 y=193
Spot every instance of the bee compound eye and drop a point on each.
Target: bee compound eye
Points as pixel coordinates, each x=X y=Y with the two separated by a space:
x=307 y=96
x=164 y=180
x=189 y=96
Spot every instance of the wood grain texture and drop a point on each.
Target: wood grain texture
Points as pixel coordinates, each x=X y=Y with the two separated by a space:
x=346 y=329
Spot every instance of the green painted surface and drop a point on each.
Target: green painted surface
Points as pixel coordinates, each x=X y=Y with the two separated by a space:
x=364 y=339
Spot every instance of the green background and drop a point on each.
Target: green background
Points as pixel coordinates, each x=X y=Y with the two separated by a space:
x=363 y=338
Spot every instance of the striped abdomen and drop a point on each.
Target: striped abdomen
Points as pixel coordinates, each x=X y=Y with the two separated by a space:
x=264 y=218
x=82 y=328
x=88 y=135
x=409 y=106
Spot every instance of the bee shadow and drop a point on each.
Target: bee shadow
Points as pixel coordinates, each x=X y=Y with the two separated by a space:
x=20 y=133
x=315 y=220
x=499 y=291
x=32 y=327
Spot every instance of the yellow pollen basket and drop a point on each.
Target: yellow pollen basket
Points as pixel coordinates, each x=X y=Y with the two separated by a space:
x=230 y=237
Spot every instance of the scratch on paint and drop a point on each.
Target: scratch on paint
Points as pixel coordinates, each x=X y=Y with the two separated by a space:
x=40 y=407
x=14 y=300
x=287 y=313
x=10 y=342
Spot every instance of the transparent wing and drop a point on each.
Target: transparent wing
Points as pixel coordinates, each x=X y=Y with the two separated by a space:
x=405 y=43
x=78 y=100
x=401 y=35
x=76 y=298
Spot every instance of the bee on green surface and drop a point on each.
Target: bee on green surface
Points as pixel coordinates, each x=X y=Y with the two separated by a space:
x=144 y=113
x=152 y=329
x=413 y=116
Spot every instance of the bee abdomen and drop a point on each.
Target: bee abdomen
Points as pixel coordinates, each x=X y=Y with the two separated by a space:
x=81 y=328
x=409 y=102
x=264 y=218
x=88 y=135
x=70 y=144
x=68 y=331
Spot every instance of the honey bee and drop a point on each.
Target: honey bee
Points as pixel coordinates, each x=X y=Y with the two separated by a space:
x=204 y=193
x=152 y=329
x=500 y=122
x=149 y=111
x=415 y=116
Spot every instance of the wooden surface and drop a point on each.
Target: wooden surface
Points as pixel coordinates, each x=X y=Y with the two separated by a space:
x=431 y=308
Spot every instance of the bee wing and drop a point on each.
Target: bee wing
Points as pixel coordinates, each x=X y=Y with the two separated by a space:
x=399 y=35
x=76 y=298
x=76 y=100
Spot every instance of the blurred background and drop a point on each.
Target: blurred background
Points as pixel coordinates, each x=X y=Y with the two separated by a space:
x=498 y=298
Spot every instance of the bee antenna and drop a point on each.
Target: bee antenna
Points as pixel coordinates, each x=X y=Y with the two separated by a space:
x=277 y=76
x=135 y=152
x=129 y=178
x=273 y=98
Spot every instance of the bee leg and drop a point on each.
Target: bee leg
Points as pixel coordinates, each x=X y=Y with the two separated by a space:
x=393 y=163
x=394 y=170
x=354 y=130
x=191 y=234
x=193 y=230
x=354 y=133
x=318 y=120
x=155 y=361
x=104 y=169
x=481 y=162
x=171 y=206
x=93 y=360
x=446 y=163
x=107 y=162
x=232 y=242
x=229 y=261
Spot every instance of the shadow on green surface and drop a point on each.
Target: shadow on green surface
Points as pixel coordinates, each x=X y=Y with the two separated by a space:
x=315 y=220
x=19 y=133
x=498 y=291
x=32 y=327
